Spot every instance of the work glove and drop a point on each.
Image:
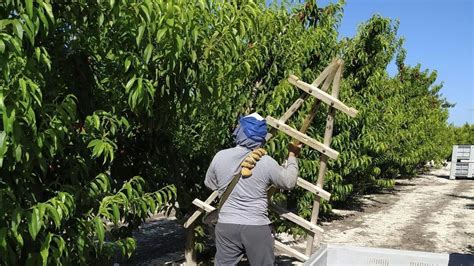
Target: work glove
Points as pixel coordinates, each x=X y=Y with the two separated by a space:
x=295 y=149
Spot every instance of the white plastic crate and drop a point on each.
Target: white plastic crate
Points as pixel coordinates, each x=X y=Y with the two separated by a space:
x=341 y=255
x=462 y=161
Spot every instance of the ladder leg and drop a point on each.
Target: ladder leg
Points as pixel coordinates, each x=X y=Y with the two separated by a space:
x=316 y=204
x=189 y=251
x=317 y=103
x=327 y=76
x=323 y=161
x=329 y=69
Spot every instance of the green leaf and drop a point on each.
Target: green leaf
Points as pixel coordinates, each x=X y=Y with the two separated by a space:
x=2 y=47
x=130 y=84
x=170 y=22
x=93 y=143
x=49 y=10
x=139 y=37
x=247 y=67
x=127 y=64
x=147 y=14
x=60 y=243
x=100 y=231
x=160 y=34
x=3 y=242
x=29 y=8
x=116 y=213
x=18 y=153
x=3 y=146
x=44 y=251
x=4 y=23
x=53 y=213
x=18 y=29
x=148 y=52
x=29 y=29
x=96 y=121
x=22 y=86
x=179 y=43
x=38 y=54
x=101 y=19
x=34 y=223
x=43 y=19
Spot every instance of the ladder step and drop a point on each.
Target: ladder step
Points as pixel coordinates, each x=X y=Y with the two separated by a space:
x=204 y=206
x=296 y=219
x=303 y=138
x=290 y=251
x=313 y=188
x=197 y=213
x=323 y=96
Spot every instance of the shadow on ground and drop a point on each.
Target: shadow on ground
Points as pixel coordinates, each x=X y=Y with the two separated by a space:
x=456 y=259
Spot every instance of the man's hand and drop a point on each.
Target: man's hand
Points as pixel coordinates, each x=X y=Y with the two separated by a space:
x=294 y=150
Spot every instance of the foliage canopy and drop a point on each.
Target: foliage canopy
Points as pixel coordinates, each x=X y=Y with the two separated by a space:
x=112 y=108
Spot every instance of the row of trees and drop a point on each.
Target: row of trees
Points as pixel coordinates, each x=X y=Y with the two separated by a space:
x=463 y=134
x=112 y=110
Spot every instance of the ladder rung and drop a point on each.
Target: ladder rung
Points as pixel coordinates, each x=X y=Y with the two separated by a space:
x=290 y=251
x=323 y=96
x=313 y=188
x=302 y=137
x=196 y=214
x=296 y=219
x=201 y=204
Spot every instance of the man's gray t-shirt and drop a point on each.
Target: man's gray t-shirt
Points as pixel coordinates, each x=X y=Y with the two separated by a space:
x=247 y=204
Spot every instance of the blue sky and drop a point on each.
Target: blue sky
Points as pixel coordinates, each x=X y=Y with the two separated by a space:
x=438 y=34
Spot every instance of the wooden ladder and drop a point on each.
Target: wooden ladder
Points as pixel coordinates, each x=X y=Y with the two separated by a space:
x=330 y=75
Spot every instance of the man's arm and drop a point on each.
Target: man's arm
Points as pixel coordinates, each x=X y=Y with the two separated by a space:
x=286 y=176
x=211 y=180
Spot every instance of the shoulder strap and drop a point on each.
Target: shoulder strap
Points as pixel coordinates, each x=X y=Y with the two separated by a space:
x=228 y=190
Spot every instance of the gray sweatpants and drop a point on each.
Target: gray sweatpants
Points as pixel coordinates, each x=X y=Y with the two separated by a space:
x=233 y=240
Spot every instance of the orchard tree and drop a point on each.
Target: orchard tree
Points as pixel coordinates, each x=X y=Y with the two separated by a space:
x=112 y=110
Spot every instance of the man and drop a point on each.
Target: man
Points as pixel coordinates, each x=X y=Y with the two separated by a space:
x=243 y=225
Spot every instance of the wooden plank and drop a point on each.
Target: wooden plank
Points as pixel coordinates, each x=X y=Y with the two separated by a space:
x=312 y=114
x=326 y=74
x=324 y=158
x=294 y=107
x=295 y=219
x=201 y=204
x=189 y=250
x=313 y=188
x=290 y=251
x=324 y=149
x=197 y=213
x=323 y=96
x=329 y=69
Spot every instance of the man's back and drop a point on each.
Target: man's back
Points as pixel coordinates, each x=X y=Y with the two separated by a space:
x=247 y=204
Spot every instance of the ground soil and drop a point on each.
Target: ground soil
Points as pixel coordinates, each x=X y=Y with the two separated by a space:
x=427 y=213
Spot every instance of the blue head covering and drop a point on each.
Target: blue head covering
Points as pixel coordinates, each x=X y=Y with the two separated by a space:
x=251 y=131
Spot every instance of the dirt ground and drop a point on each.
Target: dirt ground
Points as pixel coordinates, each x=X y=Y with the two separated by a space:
x=428 y=213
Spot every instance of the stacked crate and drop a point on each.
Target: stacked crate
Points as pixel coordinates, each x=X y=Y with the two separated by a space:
x=462 y=161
